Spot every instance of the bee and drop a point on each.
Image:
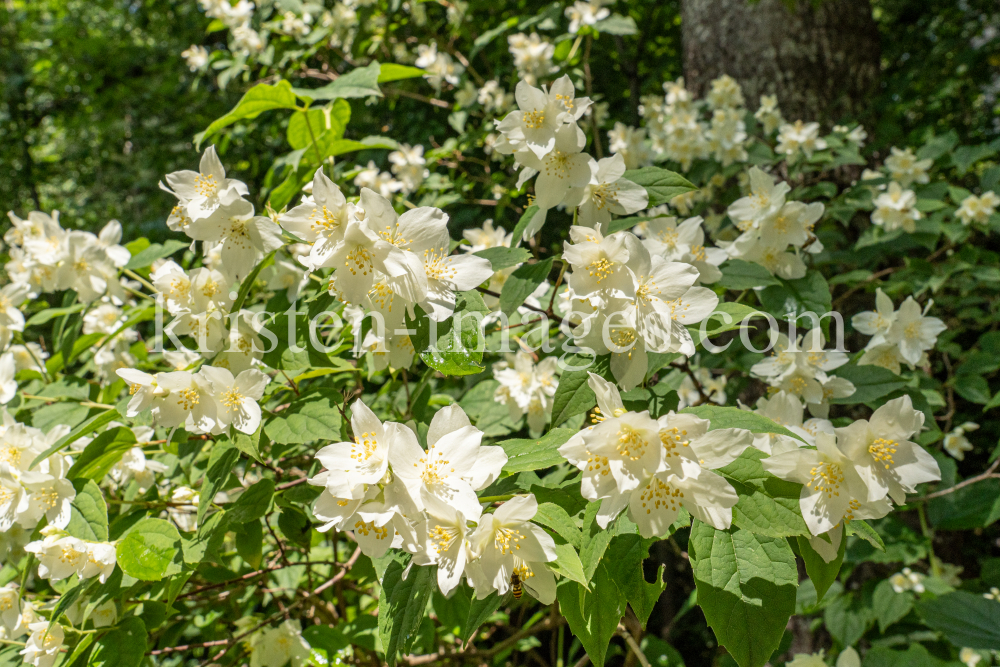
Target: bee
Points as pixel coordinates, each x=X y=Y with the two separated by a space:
x=515 y=586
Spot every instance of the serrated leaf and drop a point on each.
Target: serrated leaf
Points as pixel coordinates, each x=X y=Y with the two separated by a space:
x=520 y=284
x=532 y=454
x=262 y=97
x=123 y=646
x=890 y=606
x=573 y=395
x=359 y=82
x=522 y=223
x=746 y=587
x=728 y=417
x=567 y=564
x=865 y=532
x=221 y=460
x=503 y=258
x=593 y=615
x=738 y=274
x=401 y=607
x=870 y=383
x=795 y=297
x=324 y=124
x=154 y=252
x=558 y=519
x=459 y=351
x=103 y=452
x=88 y=512
x=767 y=505
x=312 y=417
x=965 y=619
x=479 y=611
x=252 y=503
x=626 y=556
x=821 y=573
x=147 y=550
x=661 y=185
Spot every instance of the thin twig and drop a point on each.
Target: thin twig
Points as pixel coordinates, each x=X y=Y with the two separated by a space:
x=627 y=636
x=989 y=473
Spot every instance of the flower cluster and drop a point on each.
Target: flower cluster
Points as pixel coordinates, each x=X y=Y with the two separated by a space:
x=527 y=388
x=61 y=555
x=801 y=368
x=769 y=225
x=393 y=493
x=654 y=467
x=898 y=336
x=907 y=580
x=858 y=471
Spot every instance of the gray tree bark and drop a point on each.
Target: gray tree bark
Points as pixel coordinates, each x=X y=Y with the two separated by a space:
x=820 y=58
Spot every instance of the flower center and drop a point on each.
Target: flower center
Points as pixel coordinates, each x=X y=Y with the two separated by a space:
x=364 y=447
x=361 y=259
x=631 y=443
x=660 y=496
x=442 y=537
x=232 y=398
x=826 y=478
x=882 y=450
x=188 y=398
x=506 y=540
x=206 y=186
x=600 y=269
x=534 y=119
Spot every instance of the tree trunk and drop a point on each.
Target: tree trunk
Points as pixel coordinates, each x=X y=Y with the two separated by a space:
x=820 y=58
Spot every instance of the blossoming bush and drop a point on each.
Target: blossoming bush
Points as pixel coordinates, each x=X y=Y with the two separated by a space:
x=324 y=424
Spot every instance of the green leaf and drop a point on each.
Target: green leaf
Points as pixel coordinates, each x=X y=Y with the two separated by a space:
x=746 y=587
x=247 y=283
x=491 y=34
x=393 y=72
x=325 y=644
x=938 y=146
x=567 y=564
x=890 y=606
x=359 y=82
x=502 y=258
x=795 y=297
x=206 y=542
x=252 y=503
x=964 y=157
x=314 y=416
x=123 y=646
x=522 y=224
x=250 y=543
x=457 y=351
x=558 y=519
x=865 y=532
x=616 y=24
x=740 y=275
x=821 y=573
x=661 y=185
x=519 y=286
x=401 y=607
x=221 y=460
x=573 y=395
x=102 y=454
x=595 y=540
x=257 y=100
x=294 y=523
x=848 y=618
x=88 y=512
x=68 y=413
x=870 y=383
x=147 y=550
x=479 y=611
x=593 y=615
x=965 y=619
x=326 y=123
x=626 y=555
x=44 y=316
x=767 y=505
x=531 y=454
x=154 y=252
x=490 y=417
x=67 y=599
x=727 y=417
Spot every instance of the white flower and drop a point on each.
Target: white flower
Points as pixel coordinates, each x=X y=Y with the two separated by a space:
x=978 y=209
x=201 y=194
x=769 y=114
x=896 y=209
x=684 y=243
x=44 y=643
x=245 y=237
x=832 y=490
x=765 y=200
x=797 y=137
x=878 y=322
x=907 y=580
x=286 y=275
x=785 y=409
x=655 y=504
x=196 y=57
x=586 y=13
x=630 y=143
x=506 y=543
x=883 y=455
x=276 y=647
x=560 y=170
x=236 y=398
x=100 y=562
x=714 y=387
x=443 y=536
x=408 y=165
x=104 y=615
x=440 y=66
x=8 y=385
x=609 y=192
x=955 y=442
x=184 y=508
x=725 y=93
x=540 y=114
x=904 y=167
x=481 y=238
x=527 y=388
x=135 y=465
x=50 y=497
x=59 y=555
x=532 y=56
x=913 y=331
x=320 y=220
x=970 y=657
x=800 y=368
